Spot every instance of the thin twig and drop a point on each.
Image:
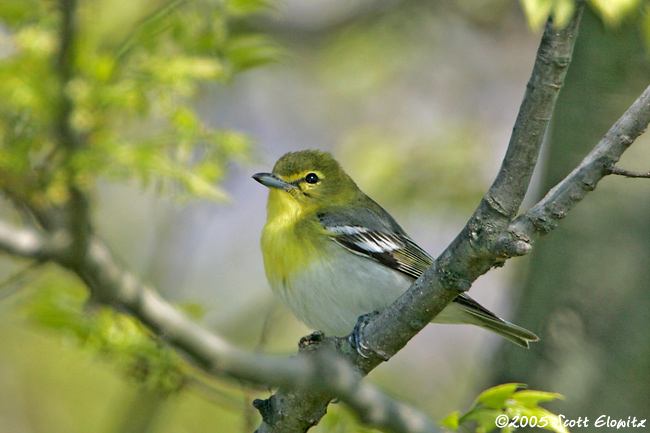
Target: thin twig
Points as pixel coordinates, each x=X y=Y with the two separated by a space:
x=14 y=282
x=613 y=169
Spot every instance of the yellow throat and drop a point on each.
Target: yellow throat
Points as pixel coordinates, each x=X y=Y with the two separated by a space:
x=286 y=248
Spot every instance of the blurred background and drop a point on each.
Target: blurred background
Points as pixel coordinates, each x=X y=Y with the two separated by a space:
x=417 y=100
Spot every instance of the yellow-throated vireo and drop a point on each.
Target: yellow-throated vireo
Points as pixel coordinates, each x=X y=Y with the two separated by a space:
x=332 y=254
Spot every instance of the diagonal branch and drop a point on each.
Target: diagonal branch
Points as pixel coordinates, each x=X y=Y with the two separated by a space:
x=111 y=283
x=545 y=215
x=327 y=372
x=68 y=239
x=547 y=79
x=28 y=243
x=474 y=251
x=479 y=247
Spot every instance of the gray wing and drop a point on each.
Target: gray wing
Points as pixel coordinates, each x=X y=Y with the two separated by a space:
x=379 y=238
x=374 y=234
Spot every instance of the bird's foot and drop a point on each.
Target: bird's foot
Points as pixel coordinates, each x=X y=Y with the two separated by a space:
x=356 y=338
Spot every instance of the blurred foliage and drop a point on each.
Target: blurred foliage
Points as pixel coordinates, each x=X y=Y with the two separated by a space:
x=401 y=154
x=106 y=89
x=57 y=304
x=340 y=419
x=537 y=11
x=129 y=80
x=645 y=26
x=612 y=12
x=427 y=171
x=517 y=406
x=52 y=385
x=364 y=59
x=367 y=55
x=485 y=12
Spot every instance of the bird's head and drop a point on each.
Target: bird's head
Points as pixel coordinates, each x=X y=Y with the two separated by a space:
x=310 y=179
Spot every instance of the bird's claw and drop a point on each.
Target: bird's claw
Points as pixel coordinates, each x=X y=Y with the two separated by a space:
x=356 y=339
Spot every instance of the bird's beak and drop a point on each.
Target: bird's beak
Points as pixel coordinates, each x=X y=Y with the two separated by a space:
x=272 y=181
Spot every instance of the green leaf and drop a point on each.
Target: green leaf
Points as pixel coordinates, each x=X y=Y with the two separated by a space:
x=530 y=398
x=540 y=416
x=451 y=421
x=538 y=11
x=554 y=424
x=484 y=418
x=249 y=51
x=495 y=397
x=504 y=400
x=185 y=119
x=134 y=81
x=563 y=11
x=58 y=305
x=614 y=11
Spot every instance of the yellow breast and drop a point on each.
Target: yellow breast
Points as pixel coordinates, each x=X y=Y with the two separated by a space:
x=291 y=239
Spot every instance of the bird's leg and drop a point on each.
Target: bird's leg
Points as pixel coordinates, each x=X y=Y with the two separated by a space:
x=356 y=339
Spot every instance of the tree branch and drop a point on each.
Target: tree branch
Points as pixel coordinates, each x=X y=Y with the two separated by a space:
x=482 y=244
x=371 y=405
x=474 y=251
x=310 y=381
x=68 y=239
x=627 y=173
x=111 y=283
x=326 y=372
x=28 y=243
x=547 y=79
x=545 y=215
x=66 y=135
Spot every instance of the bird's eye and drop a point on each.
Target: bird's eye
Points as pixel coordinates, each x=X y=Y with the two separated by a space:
x=311 y=178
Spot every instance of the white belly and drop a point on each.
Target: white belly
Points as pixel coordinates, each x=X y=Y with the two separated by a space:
x=331 y=296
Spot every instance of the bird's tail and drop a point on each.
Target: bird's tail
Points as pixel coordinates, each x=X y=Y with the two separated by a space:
x=466 y=310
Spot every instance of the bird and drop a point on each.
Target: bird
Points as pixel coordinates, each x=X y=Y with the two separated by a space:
x=332 y=254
